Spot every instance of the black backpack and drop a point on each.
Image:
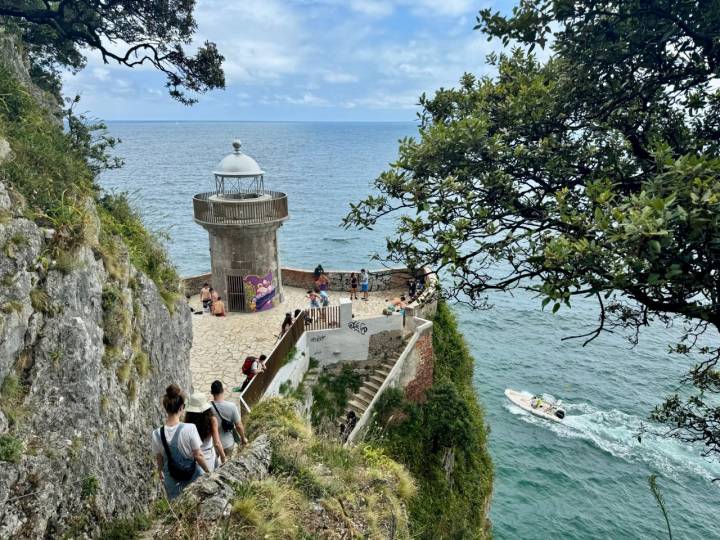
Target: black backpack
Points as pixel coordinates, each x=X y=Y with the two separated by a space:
x=179 y=473
x=227 y=425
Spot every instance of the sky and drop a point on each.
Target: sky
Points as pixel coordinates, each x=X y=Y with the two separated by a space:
x=304 y=60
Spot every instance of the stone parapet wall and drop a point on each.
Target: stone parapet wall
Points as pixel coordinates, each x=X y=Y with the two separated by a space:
x=380 y=280
x=191 y=285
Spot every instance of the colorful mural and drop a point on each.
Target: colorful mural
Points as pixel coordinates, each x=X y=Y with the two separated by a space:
x=259 y=291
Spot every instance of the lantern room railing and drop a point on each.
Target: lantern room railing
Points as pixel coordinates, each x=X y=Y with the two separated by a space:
x=240 y=208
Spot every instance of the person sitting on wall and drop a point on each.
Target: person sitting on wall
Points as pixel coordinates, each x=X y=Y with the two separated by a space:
x=318 y=272
x=399 y=303
x=412 y=288
x=251 y=367
x=205 y=296
x=218 y=307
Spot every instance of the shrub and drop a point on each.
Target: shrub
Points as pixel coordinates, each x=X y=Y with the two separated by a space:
x=145 y=249
x=116 y=317
x=331 y=393
x=11 y=395
x=447 y=505
x=90 y=486
x=10 y=449
x=125 y=528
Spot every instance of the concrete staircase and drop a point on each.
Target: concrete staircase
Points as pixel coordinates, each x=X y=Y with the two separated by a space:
x=361 y=400
x=311 y=378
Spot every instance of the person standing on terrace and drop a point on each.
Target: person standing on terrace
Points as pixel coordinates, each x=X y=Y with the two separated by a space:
x=364 y=283
x=205 y=296
x=353 y=286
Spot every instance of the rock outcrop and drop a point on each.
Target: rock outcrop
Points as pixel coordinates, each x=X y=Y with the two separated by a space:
x=83 y=361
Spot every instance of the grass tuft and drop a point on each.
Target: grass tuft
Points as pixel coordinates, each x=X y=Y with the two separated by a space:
x=10 y=449
x=40 y=301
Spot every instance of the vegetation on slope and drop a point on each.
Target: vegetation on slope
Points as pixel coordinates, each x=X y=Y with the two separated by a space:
x=443 y=442
x=316 y=489
x=50 y=177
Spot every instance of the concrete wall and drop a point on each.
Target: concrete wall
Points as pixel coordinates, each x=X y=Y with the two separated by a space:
x=351 y=341
x=425 y=305
x=413 y=371
x=380 y=280
x=293 y=371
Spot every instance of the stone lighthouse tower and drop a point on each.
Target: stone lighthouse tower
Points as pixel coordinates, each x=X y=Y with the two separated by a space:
x=242 y=219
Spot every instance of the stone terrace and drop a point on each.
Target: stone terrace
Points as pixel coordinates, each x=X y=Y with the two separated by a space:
x=220 y=344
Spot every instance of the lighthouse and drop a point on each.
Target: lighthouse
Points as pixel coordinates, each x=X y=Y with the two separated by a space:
x=242 y=219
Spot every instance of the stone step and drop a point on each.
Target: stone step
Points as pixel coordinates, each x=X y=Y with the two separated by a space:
x=372 y=385
x=382 y=371
x=366 y=392
x=359 y=408
x=388 y=365
x=362 y=398
x=379 y=379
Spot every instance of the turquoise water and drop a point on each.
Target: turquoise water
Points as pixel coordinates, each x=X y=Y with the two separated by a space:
x=586 y=478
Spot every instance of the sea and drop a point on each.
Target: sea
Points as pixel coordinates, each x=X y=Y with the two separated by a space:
x=584 y=478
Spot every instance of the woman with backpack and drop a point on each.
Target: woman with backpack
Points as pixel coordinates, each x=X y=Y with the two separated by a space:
x=198 y=413
x=177 y=446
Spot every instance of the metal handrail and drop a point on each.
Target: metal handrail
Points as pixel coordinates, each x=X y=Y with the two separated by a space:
x=248 y=211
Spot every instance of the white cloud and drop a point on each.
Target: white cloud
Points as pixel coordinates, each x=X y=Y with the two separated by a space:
x=101 y=73
x=374 y=8
x=306 y=99
x=441 y=7
x=340 y=78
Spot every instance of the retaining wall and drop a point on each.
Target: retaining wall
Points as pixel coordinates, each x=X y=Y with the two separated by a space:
x=351 y=341
x=293 y=371
x=413 y=371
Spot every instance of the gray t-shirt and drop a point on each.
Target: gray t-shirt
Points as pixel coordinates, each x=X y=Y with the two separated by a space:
x=229 y=411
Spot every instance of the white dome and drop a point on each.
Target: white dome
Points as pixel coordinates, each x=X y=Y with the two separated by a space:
x=238 y=164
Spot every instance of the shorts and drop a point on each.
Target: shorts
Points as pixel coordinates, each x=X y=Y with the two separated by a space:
x=364 y=287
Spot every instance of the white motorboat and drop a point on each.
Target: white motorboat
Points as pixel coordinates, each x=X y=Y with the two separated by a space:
x=544 y=406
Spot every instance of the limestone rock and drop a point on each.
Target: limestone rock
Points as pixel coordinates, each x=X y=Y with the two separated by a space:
x=86 y=415
x=5 y=155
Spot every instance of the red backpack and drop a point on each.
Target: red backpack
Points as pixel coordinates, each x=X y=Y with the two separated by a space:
x=248 y=364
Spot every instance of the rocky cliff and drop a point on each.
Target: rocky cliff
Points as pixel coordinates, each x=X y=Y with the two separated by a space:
x=87 y=342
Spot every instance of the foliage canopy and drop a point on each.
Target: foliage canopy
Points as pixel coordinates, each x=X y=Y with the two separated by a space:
x=128 y=32
x=595 y=173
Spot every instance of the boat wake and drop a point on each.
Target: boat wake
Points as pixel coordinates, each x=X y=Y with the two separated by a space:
x=616 y=432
